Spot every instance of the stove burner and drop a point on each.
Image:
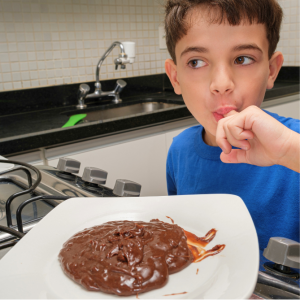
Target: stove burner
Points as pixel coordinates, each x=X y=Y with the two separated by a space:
x=281 y=270
x=66 y=175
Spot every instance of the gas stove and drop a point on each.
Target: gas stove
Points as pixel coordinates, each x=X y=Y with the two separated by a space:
x=28 y=193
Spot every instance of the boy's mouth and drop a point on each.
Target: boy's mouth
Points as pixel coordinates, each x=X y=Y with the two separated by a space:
x=219 y=113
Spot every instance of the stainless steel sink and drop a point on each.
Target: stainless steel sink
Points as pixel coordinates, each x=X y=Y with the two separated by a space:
x=124 y=110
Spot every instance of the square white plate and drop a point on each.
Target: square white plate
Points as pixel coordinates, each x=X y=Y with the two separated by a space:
x=31 y=268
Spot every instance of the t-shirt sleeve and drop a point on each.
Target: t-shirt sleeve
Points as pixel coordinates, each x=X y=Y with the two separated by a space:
x=295 y=125
x=171 y=186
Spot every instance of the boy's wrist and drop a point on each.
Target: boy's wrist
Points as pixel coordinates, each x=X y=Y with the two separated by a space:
x=291 y=159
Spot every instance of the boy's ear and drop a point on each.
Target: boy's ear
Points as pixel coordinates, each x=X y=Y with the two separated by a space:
x=171 y=70
x=275 y=64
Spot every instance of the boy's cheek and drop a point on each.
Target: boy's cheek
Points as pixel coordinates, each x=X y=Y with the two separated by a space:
x=254 y=97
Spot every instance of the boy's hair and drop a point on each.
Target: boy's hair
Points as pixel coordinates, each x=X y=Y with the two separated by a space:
x=266 y=12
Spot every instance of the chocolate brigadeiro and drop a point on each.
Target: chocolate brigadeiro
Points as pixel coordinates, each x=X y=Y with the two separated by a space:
x=125 y=257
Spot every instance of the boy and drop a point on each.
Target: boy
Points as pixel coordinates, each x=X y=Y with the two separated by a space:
x=223 y=60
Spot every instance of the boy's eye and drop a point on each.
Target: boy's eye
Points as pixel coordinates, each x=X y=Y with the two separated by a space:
x=196 y=63
x=243 y=60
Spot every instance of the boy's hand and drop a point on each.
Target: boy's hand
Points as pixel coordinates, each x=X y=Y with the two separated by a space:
x=264 y=140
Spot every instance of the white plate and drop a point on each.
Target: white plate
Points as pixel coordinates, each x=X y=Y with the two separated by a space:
x=4 y=167
x=32 y=270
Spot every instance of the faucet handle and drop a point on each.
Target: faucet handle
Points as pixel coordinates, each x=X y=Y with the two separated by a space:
x=120 y=86
x=82 y=92
x=84 y=89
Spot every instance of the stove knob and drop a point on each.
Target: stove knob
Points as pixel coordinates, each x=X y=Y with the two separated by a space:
x=94 y=175
x=283 y=251
x=127 y=188
x=68 y=165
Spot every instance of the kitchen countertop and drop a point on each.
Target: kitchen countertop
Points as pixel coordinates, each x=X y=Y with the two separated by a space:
x=30 y=128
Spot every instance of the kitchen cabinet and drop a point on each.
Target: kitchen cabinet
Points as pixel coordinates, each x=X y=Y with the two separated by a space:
x=141 y=160
x=33 y=158
x=138 y=156
x=289 y=110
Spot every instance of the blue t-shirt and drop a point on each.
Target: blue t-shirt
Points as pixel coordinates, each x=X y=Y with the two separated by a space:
x=271 y=194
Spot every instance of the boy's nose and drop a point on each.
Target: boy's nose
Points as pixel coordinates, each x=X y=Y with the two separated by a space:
x=221 y=82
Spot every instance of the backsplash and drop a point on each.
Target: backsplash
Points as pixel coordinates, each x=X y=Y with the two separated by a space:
x=54 y=42
x=290 y=32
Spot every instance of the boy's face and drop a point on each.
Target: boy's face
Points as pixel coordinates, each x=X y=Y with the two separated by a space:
x=221 y=68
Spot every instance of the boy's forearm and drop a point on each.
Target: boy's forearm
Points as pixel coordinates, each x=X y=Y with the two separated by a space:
x=292 y=158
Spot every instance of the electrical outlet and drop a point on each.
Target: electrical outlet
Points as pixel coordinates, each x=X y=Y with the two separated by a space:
x=162 y=38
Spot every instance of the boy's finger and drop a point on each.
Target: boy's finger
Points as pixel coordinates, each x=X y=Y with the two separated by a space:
x=231 y=113
x=239 y=133
x=236 y=156
x=236 y=142
x=224 y=145
x=237 y=127
x=221 y=138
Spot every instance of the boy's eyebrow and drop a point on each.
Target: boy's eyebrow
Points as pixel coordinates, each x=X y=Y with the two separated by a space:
x=236 y=48
x=194 y=49
x=247 y=47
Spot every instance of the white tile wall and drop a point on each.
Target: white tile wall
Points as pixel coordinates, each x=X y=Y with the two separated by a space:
x=290 y=32
x=52 y=42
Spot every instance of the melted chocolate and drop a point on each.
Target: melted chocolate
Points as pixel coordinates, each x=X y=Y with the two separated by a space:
x=170 y=219
x=175 y=294
x=125 y=257
x=197 y=244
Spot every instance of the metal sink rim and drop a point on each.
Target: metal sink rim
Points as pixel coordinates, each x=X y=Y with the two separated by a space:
x=108 y=106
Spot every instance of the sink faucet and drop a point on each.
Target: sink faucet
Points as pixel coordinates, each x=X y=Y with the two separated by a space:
x=122 y=60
